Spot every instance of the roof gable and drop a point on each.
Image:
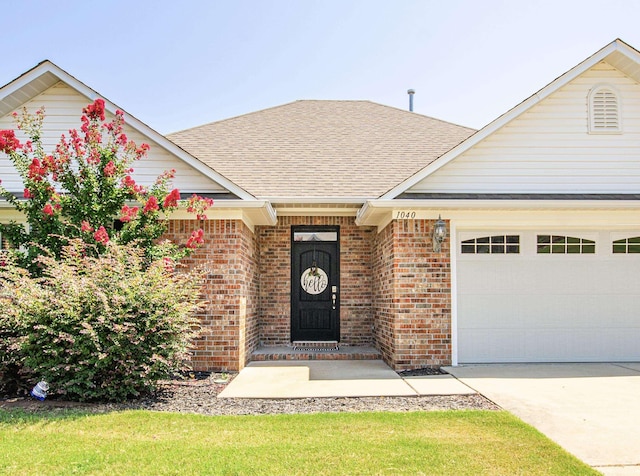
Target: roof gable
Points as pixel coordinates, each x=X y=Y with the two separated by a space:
x=47 y=75
x=321 y=150
x=551 y=148
x=618 y=54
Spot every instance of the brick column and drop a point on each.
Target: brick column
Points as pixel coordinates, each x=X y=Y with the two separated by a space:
x=412 y=296
x=229 y=321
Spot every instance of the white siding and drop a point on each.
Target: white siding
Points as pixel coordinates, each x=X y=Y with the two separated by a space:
x=548 y=149
x=63 y=108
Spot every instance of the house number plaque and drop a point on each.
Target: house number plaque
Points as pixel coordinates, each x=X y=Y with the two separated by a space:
x=314 y=280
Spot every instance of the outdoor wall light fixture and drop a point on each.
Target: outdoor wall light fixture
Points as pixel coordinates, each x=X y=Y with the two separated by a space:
x=439 y=234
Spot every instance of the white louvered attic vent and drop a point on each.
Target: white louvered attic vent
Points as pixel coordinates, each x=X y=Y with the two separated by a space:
x=604 y=111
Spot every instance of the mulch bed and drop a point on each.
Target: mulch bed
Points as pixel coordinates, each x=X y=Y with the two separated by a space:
x=197 y=393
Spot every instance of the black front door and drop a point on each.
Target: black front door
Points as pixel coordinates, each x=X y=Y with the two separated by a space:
x=315 y=279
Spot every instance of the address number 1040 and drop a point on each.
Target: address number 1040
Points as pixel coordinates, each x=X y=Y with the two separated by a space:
x=405 y=215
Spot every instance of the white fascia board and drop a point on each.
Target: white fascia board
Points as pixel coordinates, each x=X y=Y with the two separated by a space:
x=21 y=81
x=254 y=212
x=130 y=120
x=380 y=212
x=471 y=204
x=316 y=200
x=317 y=211
x=510 y=115
x=318 y=206
x=11 y=214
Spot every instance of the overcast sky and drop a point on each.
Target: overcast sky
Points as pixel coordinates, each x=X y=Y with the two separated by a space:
x=178 y=64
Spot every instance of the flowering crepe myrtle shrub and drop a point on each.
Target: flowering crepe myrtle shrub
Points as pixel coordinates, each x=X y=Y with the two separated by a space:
x=104 y=327
x=84 y=188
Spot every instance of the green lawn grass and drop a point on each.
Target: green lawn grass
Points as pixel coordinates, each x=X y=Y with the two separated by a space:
x=141 y=442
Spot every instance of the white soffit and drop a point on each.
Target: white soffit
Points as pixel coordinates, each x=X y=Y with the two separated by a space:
x=617 y=53
x=46 y=74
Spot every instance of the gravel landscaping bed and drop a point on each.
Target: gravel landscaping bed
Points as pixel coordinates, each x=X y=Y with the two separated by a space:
x=199 y=395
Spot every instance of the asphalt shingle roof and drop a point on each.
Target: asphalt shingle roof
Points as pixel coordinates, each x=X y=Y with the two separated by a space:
x=321 y=149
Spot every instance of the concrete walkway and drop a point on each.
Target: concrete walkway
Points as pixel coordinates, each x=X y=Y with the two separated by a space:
x=591 y=410
x=335 y=378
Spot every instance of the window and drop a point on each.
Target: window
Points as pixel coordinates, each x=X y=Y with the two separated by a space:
x=555 y=244
x=498 y=244
x=315 y=236
x=627 y=245
x=604 y=111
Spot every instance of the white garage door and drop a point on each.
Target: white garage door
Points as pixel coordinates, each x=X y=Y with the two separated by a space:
x=526 y=296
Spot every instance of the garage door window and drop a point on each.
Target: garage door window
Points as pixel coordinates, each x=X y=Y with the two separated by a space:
x=627 y=245
x=556 y=244
x=498 y=244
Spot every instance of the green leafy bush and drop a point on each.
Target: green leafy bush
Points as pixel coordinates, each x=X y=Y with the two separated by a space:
x=104 y=327
x=12 y=372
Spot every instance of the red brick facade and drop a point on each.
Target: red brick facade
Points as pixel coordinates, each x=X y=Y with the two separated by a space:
x=230 y=318
x=412 y=296
x=356 y=317
x=395 y=292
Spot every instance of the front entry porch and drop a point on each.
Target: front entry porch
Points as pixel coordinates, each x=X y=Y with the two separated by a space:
x=303 y=352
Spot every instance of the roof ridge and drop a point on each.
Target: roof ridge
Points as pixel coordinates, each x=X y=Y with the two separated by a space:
x=252 y=113
x=422 y=115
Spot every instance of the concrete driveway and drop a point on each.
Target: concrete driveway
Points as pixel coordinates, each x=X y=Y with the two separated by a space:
x=591 y=410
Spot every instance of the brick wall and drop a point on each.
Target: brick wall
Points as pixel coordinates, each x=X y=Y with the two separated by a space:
x=356 y=315
x=229 y=320
x=395 y=291
x=412 y=296
x=384 y=293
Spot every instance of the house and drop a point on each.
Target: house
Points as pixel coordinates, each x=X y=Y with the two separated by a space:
x=358 y=223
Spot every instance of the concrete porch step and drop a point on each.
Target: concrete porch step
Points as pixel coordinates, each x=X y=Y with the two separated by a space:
x=344 y=352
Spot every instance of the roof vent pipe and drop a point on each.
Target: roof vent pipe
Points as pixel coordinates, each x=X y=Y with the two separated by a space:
x=411 y=92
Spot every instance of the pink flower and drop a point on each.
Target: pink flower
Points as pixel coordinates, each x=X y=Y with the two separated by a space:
x=199 y=205
x=48 y=209
x=95 y=110
x=36 y=171
x=101 y=235
x=94 y=156
x=86 y=227
x=142 y=151
x=196 y=239
x=129 y=183
x=169 y=264
x=151 y=205
x=127 y=214
x=8 y=141
x=49 y=162
x=171 y=200
x=109 y=169
x=27 y=193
